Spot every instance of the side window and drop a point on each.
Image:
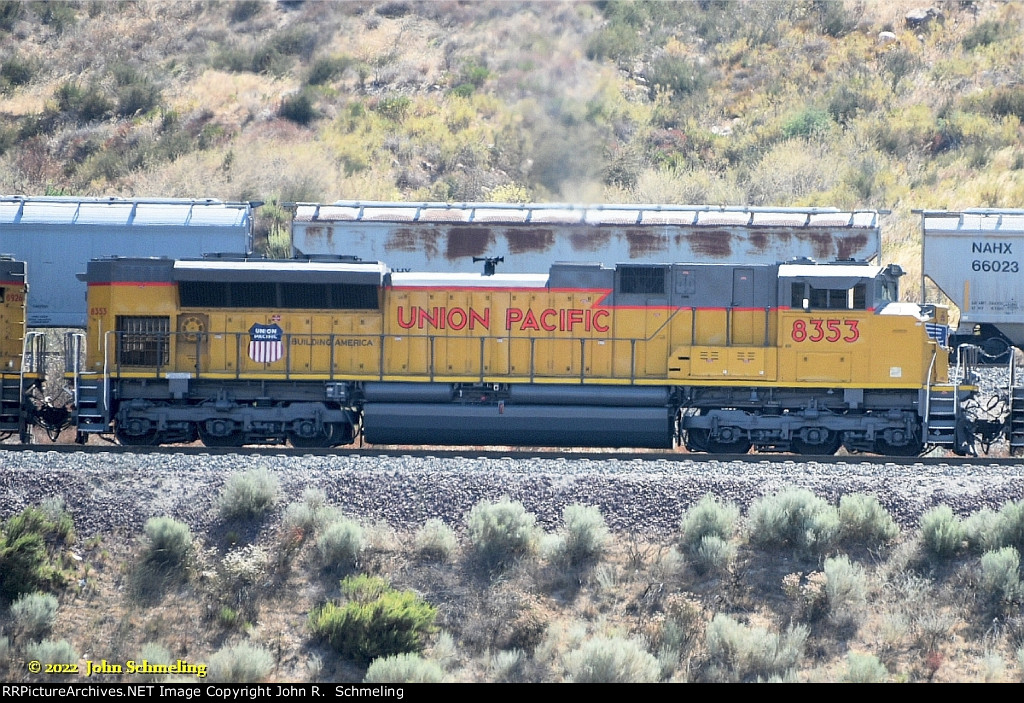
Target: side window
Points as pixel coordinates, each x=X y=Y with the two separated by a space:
x=645 y=280
x=829 y=298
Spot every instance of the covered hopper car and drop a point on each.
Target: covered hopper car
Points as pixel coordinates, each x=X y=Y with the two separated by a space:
x=799 y=356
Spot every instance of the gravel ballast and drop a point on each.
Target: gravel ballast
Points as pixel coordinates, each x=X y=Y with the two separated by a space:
x=117 y=493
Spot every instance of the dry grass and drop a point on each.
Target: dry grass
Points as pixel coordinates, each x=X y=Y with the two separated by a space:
x=922 y=626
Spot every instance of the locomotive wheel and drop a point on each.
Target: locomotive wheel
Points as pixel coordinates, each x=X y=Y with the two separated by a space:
x=831 y=441
x=342 y=433
x=210 y=440
x=910 y=449
x=147 y=439
x=700 y=440
x=325 y=438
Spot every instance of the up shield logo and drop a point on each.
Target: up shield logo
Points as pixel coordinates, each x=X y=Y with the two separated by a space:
x=265 y=345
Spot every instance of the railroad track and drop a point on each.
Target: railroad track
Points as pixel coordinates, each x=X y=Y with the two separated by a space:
x=514 y=454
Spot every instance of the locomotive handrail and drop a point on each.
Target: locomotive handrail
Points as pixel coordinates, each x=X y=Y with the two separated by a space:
x=115 y=365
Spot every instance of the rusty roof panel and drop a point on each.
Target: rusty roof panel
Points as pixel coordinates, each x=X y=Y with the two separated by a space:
x=445 y=237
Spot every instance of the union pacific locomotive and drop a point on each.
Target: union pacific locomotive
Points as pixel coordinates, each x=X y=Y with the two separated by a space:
x=798 y=356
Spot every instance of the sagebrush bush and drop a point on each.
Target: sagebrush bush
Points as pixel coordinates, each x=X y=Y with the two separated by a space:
x=746 y=653
x=340 y=544
x=403 y=668
x=377 y=621
x=863 y=521
x=34 y=614
x=168 y=542
x=51 y=652
x=241 y=663
x=714 y=555
x=794 y=518
x=846 y=589
x=435 y=540
x=250 y=494
x=983 y=531
x=28 y=542
x=310 y=515
x=506 y=666
x=502 y=532
x=585 y=535
x=154 y=653
x=942 y=533
x=706 y=518
x=999 y=576
x=864 y=668
x=612 y=660
x=1010 y=526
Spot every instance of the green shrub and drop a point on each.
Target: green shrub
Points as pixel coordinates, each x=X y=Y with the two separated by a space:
x=746 y=653
x=795 y=518
x=864 y=668
x=28 y=542
x=310 y=515
x=168 y=542
x=612 y=660
x=328 y=68
x=707 y=518
x=82 y=104
x=585 y=537
x=863 y=520
x=942 y=533
x=1011 y=525
x=809 y=122
x=154 y=653
x=845 y=589
x=847 y=102
x=507 y=666
x=377 y=621
x=985 y=33
x=250 y=494
x=436 y=540
x=679 y=76
x=714 y=555
x=241 y=663
x=983 y=530
x=393 y=107
x=618 y=41
x=503 y=531
x=242 y=10
x=298 y=109
x=15 y=71
x=34 y=614
x=403 y=668
x=999 y=576
x=340 y=544
x=51 y=652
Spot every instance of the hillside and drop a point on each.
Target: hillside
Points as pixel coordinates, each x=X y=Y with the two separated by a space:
x=784 y=103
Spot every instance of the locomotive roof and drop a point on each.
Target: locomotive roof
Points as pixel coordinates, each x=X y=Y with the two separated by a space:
x=470 y=280
x=280 y=271
x=828 y=271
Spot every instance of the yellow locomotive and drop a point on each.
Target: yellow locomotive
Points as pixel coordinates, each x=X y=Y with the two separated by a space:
x=20 y=354
x=797 y=356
